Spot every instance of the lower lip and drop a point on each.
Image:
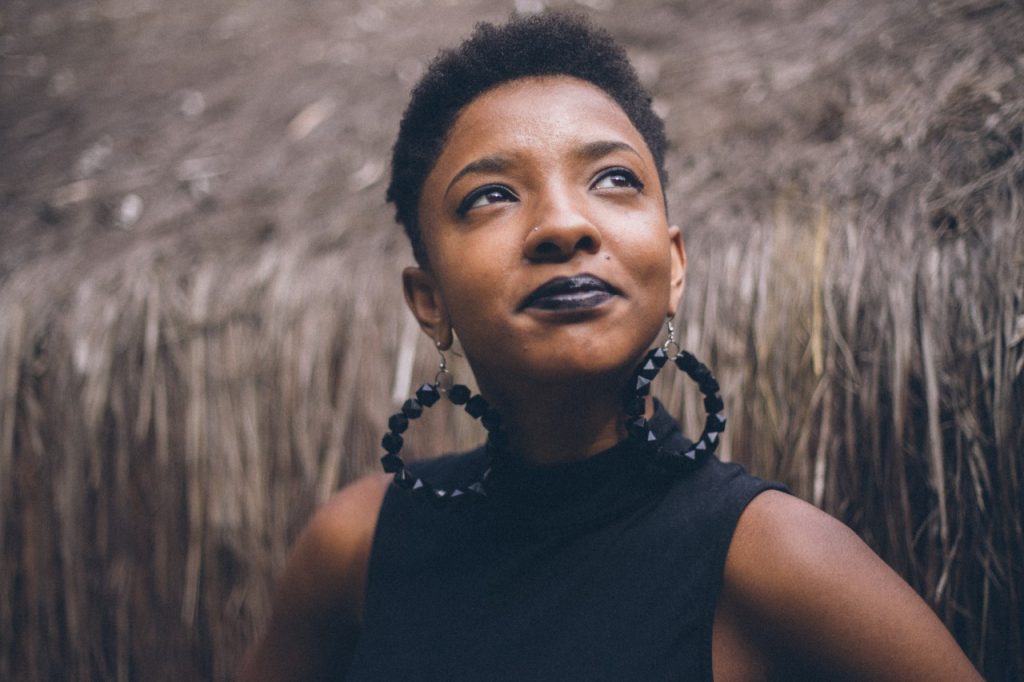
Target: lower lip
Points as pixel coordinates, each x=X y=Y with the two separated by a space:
x=577 y=300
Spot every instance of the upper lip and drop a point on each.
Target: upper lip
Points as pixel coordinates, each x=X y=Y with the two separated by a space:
x=564 y=285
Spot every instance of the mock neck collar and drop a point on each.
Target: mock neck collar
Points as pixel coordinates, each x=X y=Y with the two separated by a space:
x=571 y=495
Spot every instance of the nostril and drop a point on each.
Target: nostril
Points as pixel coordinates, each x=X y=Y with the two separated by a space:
x=547 y=249
x=560 y=239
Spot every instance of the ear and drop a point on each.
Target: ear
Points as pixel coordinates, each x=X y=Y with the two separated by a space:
x=424 y=299
x=677 y=252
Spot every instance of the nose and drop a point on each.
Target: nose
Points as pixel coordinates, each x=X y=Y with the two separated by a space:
x=561 y=229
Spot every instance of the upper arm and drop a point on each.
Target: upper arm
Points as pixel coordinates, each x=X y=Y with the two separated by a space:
x=319 y=599
x=816 y=599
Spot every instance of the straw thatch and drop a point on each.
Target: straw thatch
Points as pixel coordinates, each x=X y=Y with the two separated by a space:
x=201 y=330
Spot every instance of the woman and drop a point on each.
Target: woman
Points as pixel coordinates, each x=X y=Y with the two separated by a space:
x=588 y=540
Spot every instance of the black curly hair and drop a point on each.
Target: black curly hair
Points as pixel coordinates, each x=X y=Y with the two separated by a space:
x=545 y=44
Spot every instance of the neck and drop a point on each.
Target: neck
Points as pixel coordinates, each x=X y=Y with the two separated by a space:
x=563 y=423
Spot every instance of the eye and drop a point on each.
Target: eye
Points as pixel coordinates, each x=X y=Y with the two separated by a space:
x=615 y=178
x=483 y=196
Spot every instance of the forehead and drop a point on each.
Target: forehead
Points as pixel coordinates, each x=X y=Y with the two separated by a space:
x=555 y=100
x=538 y=118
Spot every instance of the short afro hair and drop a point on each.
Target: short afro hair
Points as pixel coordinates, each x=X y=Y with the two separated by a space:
x=545 y=44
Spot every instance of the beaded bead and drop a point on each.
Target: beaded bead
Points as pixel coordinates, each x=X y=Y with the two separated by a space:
x=458 y=394
x=491 y=419
x=398 y=423
x=412 y=408
x=686 y=362
x=713 y=404
x=709 y=385
x=392 y=442
x=392 y=463
x=714 y=423
x=648 y=370
x=700 y=374
x=476 y=406
x=428 y=394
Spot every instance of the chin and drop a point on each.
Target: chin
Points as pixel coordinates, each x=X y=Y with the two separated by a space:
x=573 y=366
x=601 y=355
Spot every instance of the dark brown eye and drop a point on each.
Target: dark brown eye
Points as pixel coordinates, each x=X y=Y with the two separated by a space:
x=491 y=194
x=617 y=178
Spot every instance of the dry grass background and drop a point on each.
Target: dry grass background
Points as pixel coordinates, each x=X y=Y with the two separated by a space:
x=201 y=330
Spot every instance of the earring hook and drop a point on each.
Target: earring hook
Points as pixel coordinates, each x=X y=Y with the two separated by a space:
x=443 y=380
x=671 y=342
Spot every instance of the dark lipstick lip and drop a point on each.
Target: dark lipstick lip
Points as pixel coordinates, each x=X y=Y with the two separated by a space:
x=558 y=286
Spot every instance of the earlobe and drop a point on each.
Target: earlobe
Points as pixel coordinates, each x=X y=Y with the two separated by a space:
x=677 y=252
x=424 y=299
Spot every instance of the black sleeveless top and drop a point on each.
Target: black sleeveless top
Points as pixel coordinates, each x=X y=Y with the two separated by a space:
x=603 y=569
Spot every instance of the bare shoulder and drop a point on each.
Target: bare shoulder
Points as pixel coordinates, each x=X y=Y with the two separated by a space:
x=332 y=553
x=340 y=534
x=318 y=604
x=818 y=601
x=787 y=530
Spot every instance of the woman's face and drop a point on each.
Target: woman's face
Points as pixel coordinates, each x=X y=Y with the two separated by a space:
x=549 y=249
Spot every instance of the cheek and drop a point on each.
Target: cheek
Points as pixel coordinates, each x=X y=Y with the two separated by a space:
x=473 y=290
x=652 y=272
x=476 y=266
x=646 y=255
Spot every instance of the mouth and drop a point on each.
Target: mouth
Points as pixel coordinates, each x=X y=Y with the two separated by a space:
x=578 y=292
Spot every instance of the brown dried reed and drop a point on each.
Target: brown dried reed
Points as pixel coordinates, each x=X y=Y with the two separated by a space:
x=169 y=421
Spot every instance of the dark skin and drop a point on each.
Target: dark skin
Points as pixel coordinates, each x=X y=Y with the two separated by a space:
x=547 y=177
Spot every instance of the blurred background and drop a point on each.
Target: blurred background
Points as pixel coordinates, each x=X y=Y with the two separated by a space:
x=202 y=331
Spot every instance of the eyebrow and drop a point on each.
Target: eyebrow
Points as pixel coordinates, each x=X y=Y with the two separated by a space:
x=497 y=163
x=486 y=164
x=592 y=151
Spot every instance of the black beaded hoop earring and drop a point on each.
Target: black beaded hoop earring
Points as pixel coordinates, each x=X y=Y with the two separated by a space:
x=637 y=426
x=428 y=395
